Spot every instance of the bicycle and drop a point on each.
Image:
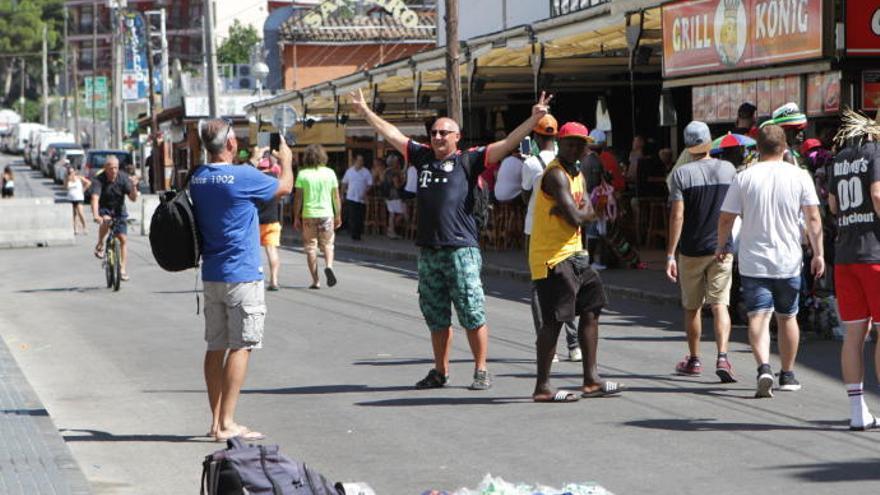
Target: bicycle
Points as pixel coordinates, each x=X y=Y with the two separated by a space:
x=113 y=257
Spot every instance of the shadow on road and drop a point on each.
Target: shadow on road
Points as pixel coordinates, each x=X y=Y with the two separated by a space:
x=24 y=412
x=708 y=424
x=445 y=401
x=326 y=389
x=865 y=470
x=426 y=361
x=80 y=435
x=62 y=289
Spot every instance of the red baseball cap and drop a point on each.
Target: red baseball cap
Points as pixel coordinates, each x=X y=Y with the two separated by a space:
x=809 y=145
x=575 y=130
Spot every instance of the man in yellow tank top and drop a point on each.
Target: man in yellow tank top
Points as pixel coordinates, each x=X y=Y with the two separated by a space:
x=567 y=287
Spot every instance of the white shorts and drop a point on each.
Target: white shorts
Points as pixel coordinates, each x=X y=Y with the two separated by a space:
x=235 y=315
x=395 y=206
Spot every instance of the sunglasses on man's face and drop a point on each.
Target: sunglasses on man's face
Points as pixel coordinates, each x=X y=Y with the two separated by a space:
x=441 y=132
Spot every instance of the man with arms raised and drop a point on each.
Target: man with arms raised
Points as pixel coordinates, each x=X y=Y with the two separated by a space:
x=449 y=260
x=225 y=201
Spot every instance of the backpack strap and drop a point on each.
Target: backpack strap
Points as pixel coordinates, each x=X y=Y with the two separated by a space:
x=276 y=487
x=541 y=161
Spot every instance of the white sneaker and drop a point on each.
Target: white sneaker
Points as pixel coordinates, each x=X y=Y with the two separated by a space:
x=555 y=358
x=575 y=354
x=598 y=266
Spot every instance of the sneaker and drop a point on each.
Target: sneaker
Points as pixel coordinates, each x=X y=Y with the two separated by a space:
x=689 y=366
x=482 y=380
x=788 y=382
x=555 y=357
x=575 y=354
x=433 y=380
x=765 y=382
x=724 y=370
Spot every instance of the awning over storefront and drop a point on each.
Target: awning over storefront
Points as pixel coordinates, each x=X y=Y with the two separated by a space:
x=578 y=51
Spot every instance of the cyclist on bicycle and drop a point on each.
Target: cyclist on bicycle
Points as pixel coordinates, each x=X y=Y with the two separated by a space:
x=109 y=190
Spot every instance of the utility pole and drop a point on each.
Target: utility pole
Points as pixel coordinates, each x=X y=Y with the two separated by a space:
x=453 y=78
x=76 y=95
x=23 y=82
x=154 y=117
x=93 y=141
x=45 y=75
x=115 y=35
x=213 y=107
x=65 y=109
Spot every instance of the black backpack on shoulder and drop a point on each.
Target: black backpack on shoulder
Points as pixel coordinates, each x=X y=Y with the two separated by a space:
x=174 y=234
x=482 y=205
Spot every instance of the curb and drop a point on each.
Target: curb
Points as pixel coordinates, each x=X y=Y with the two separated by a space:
x=501 y=271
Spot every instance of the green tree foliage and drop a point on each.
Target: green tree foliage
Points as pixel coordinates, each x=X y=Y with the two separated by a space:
x=21 y=35
x=236 y=49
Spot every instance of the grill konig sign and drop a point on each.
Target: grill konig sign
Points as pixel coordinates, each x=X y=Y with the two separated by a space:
x=701 y=36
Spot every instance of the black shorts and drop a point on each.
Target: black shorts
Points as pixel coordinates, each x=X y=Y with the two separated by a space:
x=571 y=289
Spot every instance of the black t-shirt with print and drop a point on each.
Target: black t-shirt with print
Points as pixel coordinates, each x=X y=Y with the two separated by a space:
x=445 y=195
x=858 y=228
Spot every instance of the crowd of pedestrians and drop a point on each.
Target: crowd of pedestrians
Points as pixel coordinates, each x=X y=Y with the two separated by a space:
x=756 y=218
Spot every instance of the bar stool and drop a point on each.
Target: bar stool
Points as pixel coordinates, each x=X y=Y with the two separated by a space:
x=658 y=220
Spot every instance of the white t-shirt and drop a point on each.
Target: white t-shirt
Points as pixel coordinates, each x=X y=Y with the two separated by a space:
x=412 y=180
x=532 y=171
x=508 y=183
x=770 y=196
x=357 y=182
x=75 y=191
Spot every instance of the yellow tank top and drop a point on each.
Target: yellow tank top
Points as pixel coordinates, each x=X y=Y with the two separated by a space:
x=553 y=239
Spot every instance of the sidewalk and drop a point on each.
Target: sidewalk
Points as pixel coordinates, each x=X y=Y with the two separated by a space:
x=642 y=285
x=33 y=456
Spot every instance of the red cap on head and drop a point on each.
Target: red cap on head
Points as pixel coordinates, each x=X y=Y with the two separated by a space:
x=809 y=145
x=576 y=130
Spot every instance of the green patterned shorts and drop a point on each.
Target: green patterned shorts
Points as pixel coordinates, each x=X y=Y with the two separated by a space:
x=451 y=276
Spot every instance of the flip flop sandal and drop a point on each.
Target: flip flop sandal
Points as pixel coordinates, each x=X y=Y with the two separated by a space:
x=561 y=396
x=244 y=433
x=124 y=277
x=331 y=277
x=608 y=389
x=873 y=425
x=99 y=253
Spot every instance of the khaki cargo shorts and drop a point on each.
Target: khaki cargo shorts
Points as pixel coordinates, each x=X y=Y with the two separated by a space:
x=235 y=315
x=704 y=280
x=318 y=233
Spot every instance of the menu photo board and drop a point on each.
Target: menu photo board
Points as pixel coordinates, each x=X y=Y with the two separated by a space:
x=707 y=36
x=722 y=103
x=711 y=105
x=777 y=93
x=764 y=94
x=871 y=90
x=823 y=93
x=698 y=103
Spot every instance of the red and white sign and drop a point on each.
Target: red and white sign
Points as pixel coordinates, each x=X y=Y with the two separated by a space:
x=863 y=28
x=703 y=36
x=130 y=81
x=870 y=90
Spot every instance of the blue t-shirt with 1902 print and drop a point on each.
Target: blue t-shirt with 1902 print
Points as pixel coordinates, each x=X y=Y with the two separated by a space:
x=225 y=200
x=445 y=195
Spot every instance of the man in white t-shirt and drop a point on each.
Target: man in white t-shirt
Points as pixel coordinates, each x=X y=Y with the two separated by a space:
x=508 y=183
x=355 y=184
x=770 y=196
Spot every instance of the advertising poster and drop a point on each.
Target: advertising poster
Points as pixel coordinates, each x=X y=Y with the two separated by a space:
x=765 y=103
x=698 y=103
x=871 y=90
x=777 y=93
x=831 y=93
x=711 y=104
x=814 y=94
x=793 y=90
x=722 y=103
x=704 y=36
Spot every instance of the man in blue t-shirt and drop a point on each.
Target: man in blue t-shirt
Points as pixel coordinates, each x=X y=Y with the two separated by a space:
x=449 y=261
x=225 y=200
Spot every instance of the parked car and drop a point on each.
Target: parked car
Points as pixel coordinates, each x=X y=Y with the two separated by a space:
x=20 y=136
x=95 y=160
x=43 y=159
x=66 y=155
x=35 y=145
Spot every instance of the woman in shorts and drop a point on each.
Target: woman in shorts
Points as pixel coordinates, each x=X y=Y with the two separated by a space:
x=76 y=186
x=317 y=211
